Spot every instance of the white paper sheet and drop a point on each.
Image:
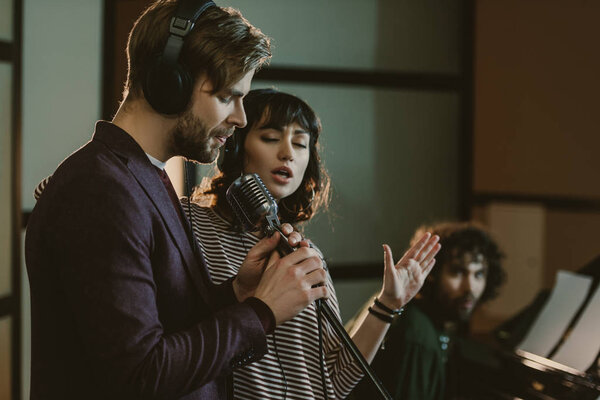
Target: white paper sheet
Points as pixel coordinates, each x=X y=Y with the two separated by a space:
x=583 y=343
x=567 y=296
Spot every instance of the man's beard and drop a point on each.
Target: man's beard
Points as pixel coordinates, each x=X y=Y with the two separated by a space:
x=192 y=139
x=454 y=310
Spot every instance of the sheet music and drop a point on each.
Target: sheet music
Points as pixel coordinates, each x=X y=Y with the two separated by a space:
x=567 y=296
x=583 y=343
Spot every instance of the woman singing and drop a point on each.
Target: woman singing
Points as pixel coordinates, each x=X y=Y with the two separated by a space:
x=280 y=144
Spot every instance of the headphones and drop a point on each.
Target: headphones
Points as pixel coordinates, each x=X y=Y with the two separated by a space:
x=233 y=150
x=168 y=84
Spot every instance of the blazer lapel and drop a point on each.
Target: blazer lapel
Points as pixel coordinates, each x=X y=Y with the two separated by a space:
x=149 y=180
x=146 y=175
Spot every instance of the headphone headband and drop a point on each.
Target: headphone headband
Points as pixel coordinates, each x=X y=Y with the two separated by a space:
x=186 y=15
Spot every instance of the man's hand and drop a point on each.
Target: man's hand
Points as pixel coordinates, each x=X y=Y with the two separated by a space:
x=402 y=281
x=289 y=284
x=258 y=257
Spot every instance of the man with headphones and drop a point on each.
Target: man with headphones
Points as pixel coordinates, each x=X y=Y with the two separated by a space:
x=121 y=301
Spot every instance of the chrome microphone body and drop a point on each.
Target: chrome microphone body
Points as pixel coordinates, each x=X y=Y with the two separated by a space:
x=256 y=209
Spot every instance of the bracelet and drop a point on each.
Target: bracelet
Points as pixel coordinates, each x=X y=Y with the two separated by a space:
x=385 y=318
x=388 y=310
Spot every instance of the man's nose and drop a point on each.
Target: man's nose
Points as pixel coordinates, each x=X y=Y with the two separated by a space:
x=238 y=115
x=467 y=284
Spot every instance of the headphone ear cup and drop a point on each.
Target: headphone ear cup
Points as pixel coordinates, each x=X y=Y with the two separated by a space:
x=229 y=157
x=167 y=87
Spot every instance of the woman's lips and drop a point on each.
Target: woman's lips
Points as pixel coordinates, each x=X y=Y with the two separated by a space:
x=281 y=179
x=282 y=175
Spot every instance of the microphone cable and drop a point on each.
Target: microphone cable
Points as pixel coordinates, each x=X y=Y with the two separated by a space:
x=321 y=352
x=188 y=196
x=285 y=384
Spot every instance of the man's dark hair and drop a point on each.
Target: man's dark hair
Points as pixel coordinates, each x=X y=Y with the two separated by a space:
x=223 y=45
x=458 y=238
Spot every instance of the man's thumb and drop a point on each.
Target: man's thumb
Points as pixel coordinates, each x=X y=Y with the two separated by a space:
x=265 y=246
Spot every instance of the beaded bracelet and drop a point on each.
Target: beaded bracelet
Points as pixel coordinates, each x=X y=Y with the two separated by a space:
x=388 y=310
x=385 y=318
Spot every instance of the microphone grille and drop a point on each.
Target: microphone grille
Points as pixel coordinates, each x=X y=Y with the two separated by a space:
x=251 y=201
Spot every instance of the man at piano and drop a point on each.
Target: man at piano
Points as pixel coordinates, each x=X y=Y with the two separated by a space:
x=417 y=359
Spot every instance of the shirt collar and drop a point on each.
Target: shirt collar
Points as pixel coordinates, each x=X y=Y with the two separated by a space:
x=157 y=163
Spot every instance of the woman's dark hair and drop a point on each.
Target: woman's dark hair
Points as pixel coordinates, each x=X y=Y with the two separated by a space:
x=273 y=108
x=458 y=238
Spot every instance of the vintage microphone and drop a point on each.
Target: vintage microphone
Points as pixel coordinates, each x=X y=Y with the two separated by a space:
x=256 y=209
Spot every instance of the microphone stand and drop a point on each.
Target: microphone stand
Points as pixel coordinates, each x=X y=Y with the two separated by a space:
x=284 y=248
x=337 y=326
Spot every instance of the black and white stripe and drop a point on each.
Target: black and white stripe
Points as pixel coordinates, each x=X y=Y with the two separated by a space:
x=297 y=339
x=37 y=192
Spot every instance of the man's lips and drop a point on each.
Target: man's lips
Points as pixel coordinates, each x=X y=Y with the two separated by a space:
x=222 y=138
x=466 y=303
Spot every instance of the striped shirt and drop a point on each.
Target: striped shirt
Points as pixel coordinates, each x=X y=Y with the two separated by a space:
x=293 y=347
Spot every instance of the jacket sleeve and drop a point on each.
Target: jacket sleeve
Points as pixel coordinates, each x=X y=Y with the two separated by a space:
x=107 y=272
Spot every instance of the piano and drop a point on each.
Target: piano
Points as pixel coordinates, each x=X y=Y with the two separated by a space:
x=500 y=370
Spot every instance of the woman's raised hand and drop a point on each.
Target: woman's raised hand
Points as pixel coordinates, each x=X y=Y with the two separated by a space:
x=402 y=281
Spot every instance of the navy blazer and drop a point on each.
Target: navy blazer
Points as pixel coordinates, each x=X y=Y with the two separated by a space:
x=122 y=305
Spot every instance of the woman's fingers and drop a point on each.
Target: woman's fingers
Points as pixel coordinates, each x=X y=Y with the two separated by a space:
x=427 y=249
x=430 y=255
x=416 y=248
x=429 y=266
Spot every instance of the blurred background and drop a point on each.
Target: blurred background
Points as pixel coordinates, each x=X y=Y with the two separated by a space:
x=431 y=110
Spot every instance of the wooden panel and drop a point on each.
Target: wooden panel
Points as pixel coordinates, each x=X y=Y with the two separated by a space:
x=571 y=241
x=536 y=97
x=519 y=230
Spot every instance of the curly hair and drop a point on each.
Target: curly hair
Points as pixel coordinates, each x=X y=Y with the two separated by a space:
x=458 y=238
x=274 y=108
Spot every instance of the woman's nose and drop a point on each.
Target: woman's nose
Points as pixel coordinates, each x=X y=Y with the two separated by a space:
x=285 y=151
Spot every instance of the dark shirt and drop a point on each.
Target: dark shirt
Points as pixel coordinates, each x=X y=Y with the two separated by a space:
x=411 y=362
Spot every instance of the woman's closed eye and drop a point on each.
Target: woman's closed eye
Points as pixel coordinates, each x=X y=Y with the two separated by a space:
x=301 y=145
x=273 y=136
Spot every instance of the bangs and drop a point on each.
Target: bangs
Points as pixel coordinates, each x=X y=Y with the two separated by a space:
x=271 y=108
